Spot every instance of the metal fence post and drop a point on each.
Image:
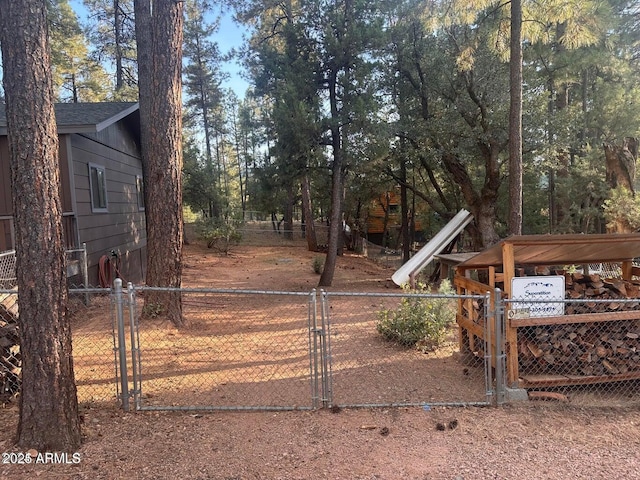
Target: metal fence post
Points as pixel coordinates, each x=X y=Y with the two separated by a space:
x=122 y=347
x=85 y=272
x=325 y=341
x=313 y=350
x=135 y=351
x=500 y=350
x=489 y=318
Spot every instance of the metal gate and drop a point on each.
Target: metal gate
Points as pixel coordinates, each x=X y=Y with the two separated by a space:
x=265 y=350
x=366 y=370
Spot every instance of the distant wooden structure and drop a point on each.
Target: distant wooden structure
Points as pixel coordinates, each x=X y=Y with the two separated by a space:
x=384 y=216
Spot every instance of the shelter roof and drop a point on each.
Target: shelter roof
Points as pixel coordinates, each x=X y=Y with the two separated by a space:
x=85 y=117
x=560 y=250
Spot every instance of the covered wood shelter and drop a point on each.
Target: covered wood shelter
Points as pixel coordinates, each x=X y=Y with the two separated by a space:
x=525 y=255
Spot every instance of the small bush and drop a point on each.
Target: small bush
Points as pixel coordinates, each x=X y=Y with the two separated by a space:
x=419 y=322
x=318 y=263
x=219 y=234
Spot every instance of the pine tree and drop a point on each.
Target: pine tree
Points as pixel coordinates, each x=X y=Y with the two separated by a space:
x=159 y=35
x=76 y=76
x=49 y=419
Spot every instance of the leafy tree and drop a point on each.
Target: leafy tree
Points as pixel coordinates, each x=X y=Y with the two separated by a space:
x=159 y=35
x=454 y=93
x=515 y=119
x=202 y=80
x=112 y=33
x=76 y=76
x=285 y=68
x=622 y=211
x=348 y=33
x=49 y=418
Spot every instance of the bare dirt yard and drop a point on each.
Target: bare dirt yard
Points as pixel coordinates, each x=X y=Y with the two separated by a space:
x=536 y=440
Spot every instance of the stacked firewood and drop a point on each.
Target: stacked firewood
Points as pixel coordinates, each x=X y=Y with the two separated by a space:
x=602 y=348
x=593 y=287
x=10 y=360
x=596 y=348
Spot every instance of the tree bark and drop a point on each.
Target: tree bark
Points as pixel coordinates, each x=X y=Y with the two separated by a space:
x=309 y=224
x=515 y=121
x=159 y=34
x=335 y=226
x=621 y=164
x=404 y=209
x=48 y=402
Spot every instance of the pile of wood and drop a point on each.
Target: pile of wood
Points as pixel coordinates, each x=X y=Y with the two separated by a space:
x=591 y=349
x=10 y=360
x=601 y=348
x=593 y=287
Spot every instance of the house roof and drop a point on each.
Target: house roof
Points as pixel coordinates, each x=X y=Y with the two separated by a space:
x=85 y=117
x=560 y=250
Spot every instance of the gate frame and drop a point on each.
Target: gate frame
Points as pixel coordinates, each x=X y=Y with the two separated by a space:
x=319 y=350
x=489 y=313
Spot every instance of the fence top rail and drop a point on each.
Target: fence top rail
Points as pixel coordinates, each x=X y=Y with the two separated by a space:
x=89 y=290
x=570 y=300
x=451 y=296
x=221 y=290
x=7 y=253
x=72 y=291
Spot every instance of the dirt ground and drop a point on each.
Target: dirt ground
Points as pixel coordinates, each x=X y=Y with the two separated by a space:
x=537 y=440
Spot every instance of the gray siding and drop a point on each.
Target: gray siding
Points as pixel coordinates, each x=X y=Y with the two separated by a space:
x=122 y=228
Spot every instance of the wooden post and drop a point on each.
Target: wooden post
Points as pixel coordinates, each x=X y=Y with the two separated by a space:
x=462 y=335
x=511 y=335
x=627 y=270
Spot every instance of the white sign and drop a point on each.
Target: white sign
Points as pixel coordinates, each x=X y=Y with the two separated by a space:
x=535 y=294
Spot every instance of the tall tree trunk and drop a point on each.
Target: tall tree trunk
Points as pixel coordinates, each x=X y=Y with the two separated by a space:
x=159 y=37
x=404 y=210
x=309 y=224
x=335 y=226
x=288 y=212
x=236 y=141
x=48 y=402
x=117 y=33
x=515 y=121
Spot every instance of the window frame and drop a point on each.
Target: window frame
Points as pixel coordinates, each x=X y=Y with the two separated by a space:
x=98 y=187
x=140 y=192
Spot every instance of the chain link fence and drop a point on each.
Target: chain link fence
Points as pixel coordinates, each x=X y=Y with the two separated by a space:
x=92 y=319
x=10 y=359
x=262 y=350
x=266 y=350
x=366 y=369
x=92 y=316
x=242 y=349
x=77 y=268
x=93 y=346
x=265 y=233
x=8 y=269
x=586 y=351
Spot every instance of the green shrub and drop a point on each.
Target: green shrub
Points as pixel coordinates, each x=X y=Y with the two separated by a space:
x=419 y=321
x=219 y=234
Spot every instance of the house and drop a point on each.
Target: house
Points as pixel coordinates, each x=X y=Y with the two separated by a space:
x=384 y=219
x=102 y=188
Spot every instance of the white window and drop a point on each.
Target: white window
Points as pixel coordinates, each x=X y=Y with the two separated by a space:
x=140 y=191
x=98 y=186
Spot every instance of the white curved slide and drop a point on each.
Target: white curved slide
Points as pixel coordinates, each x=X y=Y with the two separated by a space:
x=425 y=255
